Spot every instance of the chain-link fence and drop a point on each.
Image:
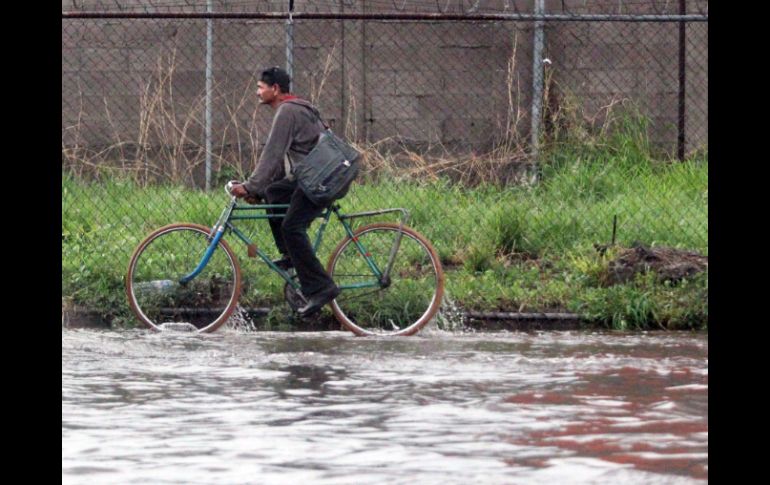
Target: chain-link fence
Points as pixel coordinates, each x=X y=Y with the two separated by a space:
x=534 y=127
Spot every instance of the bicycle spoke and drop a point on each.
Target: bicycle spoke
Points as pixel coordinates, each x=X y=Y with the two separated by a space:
x=351 y=298
x=414 y=292
x=154 y=293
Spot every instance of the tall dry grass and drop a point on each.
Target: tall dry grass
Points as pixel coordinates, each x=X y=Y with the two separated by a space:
x=167 y=142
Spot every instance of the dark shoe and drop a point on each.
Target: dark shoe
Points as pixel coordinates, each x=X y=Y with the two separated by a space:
x=318 y=300
x=284 y=263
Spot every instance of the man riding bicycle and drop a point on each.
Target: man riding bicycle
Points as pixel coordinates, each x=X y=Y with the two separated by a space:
x=294 y=132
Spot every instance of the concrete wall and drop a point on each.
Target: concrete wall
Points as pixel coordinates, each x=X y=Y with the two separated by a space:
x=434 y=84
x=601 y=63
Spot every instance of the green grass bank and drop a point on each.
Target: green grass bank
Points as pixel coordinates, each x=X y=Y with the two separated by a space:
x=524 y=248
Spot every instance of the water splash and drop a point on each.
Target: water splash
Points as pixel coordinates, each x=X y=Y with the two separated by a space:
x=178 y=327
x=450 y=318
x=240 y=321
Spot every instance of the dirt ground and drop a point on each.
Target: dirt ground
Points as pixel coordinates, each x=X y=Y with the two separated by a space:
x=668 y=263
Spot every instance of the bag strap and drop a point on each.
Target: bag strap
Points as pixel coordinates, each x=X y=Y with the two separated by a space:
x=314 y=110
x=287 y=165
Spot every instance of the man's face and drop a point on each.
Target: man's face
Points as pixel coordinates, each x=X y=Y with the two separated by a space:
x=266 y=93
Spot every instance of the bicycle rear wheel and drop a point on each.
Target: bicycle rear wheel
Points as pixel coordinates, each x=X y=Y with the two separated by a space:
x=401 y=306
x=153 y=286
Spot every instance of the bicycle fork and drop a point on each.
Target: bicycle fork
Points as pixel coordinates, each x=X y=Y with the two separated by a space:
x=216 y=234
x=206 y=256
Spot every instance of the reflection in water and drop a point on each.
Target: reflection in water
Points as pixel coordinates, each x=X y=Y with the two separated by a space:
x=236 y=407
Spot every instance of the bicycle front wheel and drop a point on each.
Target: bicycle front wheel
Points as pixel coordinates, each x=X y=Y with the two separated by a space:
x=155 y=293
x=400 y=305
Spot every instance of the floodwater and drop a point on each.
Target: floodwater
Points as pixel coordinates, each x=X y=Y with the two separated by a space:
x=440 y=408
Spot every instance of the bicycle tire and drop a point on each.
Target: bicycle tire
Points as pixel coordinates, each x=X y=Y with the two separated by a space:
x=373 y=316
x=155 y=309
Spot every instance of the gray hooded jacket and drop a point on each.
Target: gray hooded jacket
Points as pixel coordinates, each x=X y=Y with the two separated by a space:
x=294 y=132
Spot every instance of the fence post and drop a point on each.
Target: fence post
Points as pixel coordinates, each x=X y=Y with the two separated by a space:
x=290 y=43
x=682 y=86
x=343 y=83
x=209 y=42
x=537 y=80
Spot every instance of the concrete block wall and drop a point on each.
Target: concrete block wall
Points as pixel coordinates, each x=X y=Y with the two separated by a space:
x=429 y=83
x=600 y=63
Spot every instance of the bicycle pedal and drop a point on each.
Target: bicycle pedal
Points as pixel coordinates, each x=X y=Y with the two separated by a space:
x=294 y=298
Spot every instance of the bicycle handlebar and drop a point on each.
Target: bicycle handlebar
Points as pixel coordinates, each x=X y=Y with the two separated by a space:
x=229 y=187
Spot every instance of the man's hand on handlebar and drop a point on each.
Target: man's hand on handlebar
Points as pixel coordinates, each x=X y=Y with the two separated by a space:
x=239 y=191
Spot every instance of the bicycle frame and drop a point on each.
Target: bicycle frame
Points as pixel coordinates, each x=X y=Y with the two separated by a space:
x=381 y=278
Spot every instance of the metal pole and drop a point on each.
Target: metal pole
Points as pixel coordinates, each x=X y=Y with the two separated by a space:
x=537 y=79
x=290 y=42
x=364 y=104
x=387 y=16
x=682 y=85
x=209 y=32
x=343 y=93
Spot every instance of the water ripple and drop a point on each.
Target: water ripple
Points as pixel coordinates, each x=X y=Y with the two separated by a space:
x=237 y=407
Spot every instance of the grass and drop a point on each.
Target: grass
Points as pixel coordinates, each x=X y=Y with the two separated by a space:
x=514 y=248
x=507 y=243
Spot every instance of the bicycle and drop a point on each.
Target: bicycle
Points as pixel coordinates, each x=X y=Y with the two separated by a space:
x=390 y=275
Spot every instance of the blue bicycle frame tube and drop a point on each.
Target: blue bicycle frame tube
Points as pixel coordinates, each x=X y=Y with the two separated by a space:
x=206 y=257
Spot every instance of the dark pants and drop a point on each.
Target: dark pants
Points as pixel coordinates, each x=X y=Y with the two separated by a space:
x=290 y=233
